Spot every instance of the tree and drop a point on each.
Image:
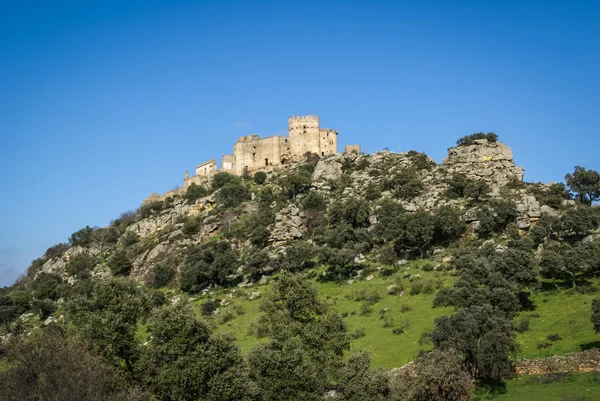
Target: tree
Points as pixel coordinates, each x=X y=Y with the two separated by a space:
x=596 y=314
x=418 y=231
x=119 y=263
x=183 y=361
x=358 y=383
x=81 y=265
x=260 y=177
x=470 y=139
x=163 y=274
x=438 y=376
x=82 y=237
x=107 y=320
x=45 y=285
x=306 y=343
x=194 y=192
x=353 y=211
x=484 y=336
x=232 y=194
x=210 y=263
x=295 y=183
x=449 y=225
x=48 y=366
x=585 y=184
x=552 y=265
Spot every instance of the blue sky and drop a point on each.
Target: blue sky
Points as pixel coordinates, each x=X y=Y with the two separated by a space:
x=102 y=103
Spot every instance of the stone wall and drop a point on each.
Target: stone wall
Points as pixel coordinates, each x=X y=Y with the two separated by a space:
x=352 y=149
x=254 y=153
x=207 y=168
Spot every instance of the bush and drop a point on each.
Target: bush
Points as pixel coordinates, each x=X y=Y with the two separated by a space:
x=221 y=179
x=163 y=274
x=522 y=325
x=554 y=337
x=405 y=308
x=45 y=286
x=195 y=192
x=470 y=139
x=358 y=333
x=226 y=316
x=191 y=225
x=82 y=237
x=119 y=264
x=149 y=208
x=80 y=265
x=428 y=287
x=210 y=306
x=232 y=194
x=260 y=177
x=416 y=287
x=365 y=309
x=56 y=251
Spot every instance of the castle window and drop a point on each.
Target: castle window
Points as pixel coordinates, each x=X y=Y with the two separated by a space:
x=322 y=153
x=266 y=162
x=253 y=156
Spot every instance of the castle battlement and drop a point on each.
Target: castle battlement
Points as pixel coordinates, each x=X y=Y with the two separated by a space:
x=308 y=118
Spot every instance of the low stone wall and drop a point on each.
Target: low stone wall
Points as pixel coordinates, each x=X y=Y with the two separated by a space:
x=584 y=361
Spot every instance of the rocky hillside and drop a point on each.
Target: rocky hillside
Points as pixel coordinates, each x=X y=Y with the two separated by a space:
x=459 y=258
x=280 y=209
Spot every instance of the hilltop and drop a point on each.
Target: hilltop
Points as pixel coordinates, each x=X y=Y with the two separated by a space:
x=401 y=247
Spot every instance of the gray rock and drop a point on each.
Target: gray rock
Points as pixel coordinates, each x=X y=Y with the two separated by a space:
x=588 y=239
x=49 y=321
x=289 y=224
x=523 y=223
x=548 y=211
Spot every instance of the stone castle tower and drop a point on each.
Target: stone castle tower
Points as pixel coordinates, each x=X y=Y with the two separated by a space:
x=252 y=153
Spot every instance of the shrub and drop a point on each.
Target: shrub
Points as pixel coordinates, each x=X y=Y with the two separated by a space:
x=195 y=192
x=82 y=237
x=149 y=208
x=260 y=177
x=405 y=308
x=239 y=309
x=232 y=194
x=129 y=238
x=56 y=251
x=416 y=287
x=522 y=324
x=470 y=139
x=365 y=309
x=388 y=321
x=358 y=333
x=46 y=285
x=554 y=337
x=210 y=306
x=221 y=179
x=119 y=263
x=428 y=287
x=226 y=316
x=80 y=265
x=163 y=274
x=191 y=225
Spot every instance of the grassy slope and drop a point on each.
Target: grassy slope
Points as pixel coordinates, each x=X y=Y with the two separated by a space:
x=578 y=387
x=565 y=313
x=387 y=349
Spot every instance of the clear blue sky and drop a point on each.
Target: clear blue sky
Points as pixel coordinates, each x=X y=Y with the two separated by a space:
x=102 y=103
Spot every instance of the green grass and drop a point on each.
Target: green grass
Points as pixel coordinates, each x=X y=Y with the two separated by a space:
x=387 y=349
x=566 y=313
x=576 y=387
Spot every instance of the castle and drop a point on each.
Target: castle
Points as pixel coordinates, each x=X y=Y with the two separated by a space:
x=251 y=153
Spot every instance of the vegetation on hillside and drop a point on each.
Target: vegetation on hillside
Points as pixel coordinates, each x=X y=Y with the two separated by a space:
x=226 y=307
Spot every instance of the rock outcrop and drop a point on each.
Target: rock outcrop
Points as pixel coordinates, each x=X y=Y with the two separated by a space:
x=289 y=224
x=491 y=162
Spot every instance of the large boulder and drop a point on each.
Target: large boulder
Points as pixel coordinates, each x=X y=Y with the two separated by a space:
x=491 y=162
x=329 y=168
x=289 y=224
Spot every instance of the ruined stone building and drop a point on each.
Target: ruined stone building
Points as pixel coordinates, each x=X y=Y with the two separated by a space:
x=252 y=153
